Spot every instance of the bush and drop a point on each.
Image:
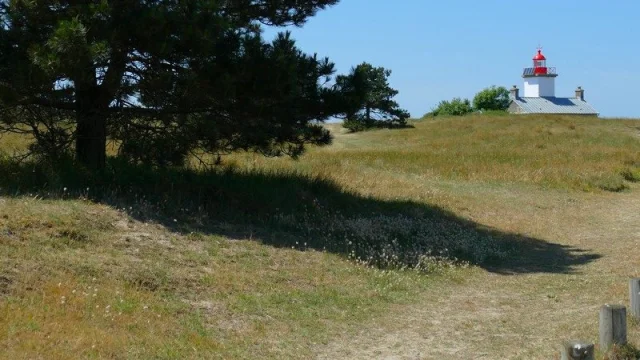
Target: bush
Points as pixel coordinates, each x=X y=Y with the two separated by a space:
x=610 y=183
x=492 y=98
x=493 y=112
x=360 y=124
x=354 y=125
x=631 y=174
x=455 y=107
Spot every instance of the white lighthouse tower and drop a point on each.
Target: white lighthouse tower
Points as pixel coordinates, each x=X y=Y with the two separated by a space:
x=539 y=80
x=540 y=93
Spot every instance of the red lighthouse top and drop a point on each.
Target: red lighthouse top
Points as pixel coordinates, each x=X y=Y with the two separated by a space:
x=539 y=64
x=539 y=56
x=539 y=67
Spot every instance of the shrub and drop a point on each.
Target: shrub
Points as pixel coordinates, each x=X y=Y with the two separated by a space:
x=493 y=112
x=631 y=174
x=455 y=107
x=360 y=124
x=610 y=183
x=492 y=98
x=354 y=125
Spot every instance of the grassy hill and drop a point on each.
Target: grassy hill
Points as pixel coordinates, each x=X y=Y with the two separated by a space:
x=271 y=257
x=552 y=151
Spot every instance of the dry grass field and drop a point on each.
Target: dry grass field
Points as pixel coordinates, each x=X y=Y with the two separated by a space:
x=550 y=152
x=461 y=238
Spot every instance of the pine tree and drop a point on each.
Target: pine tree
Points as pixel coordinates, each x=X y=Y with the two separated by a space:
x=369 y=100
x=163 y=78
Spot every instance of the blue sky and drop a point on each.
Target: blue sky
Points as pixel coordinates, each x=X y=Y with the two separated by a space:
x=442 y=49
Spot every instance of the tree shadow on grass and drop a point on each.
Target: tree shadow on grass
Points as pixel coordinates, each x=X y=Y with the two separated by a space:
x=529 y=255
x=295 y=210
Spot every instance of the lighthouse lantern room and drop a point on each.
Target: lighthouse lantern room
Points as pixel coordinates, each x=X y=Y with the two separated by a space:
x=539 y=80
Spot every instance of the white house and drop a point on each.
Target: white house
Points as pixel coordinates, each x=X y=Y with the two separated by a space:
x=540 y=93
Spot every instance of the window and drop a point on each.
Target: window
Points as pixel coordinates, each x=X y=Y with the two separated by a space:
x=539 y=63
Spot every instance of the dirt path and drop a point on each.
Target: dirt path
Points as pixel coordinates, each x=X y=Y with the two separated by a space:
x=524 y=316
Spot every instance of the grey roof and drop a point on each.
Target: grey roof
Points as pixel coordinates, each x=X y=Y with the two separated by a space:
x=554 y=105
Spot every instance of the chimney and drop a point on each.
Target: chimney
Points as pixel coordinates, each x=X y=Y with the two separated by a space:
x=514 y=92
x=580 y=93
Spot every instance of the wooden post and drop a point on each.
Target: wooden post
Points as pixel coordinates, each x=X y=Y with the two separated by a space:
x=578 y=350
x=613 y=326
x=634 y=297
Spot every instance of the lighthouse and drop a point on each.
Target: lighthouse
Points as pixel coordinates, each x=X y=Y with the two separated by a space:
x=539 y=95
x=539 y=80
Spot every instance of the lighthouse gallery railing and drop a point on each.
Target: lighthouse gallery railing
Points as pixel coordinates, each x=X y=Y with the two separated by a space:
x=531 y=71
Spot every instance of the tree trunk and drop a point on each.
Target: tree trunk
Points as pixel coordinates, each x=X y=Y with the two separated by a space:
x=91 y=131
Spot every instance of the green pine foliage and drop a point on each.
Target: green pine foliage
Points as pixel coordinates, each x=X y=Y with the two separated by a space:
x=160 y=78
x=367 y=99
